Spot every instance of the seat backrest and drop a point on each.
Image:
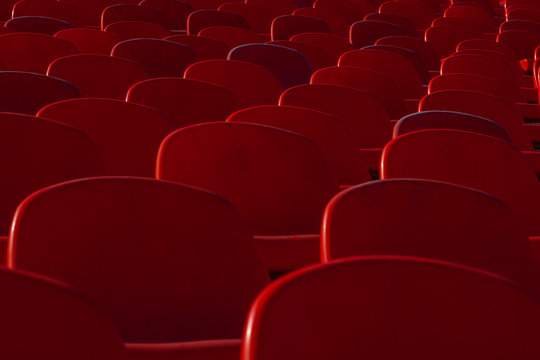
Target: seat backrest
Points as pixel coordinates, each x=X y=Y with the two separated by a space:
x=433 y=220
x=367 y=32
x=47 y=8
x=316 y=56
x=351 y=11
x=185 y=102
x=165 y=261
x=480 y=104
x=206 y=49
x=239 y=77
x=522 y=42
x=419 y=12
x=289 y=66
x=36 y=153
x=174 y=13
x=103 y=76
x=42 y=317
x=32 y=52
x=402 y=21
x=37 y=24
x=286 y=26
x=424 y=49
x=277 y=7
x=201 y=19
x=90 y=10
x=233 y=36
x=259 y=18
x=159 y=58
x=128 y=12
x=127 y=135
x=473 y=13
x=89 y=41
x=440 y=119
x=337 y=24
x=445 y=38
x=330 y=133
x=333 y=45
x=137 y=29
x=469 y=159
x=483 y=44
x=360 y=306
x=278 y=180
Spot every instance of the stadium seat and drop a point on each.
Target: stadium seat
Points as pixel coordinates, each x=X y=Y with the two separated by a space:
x=127 y=12
x=367 y=32
x=104 y=76
x=445 y=38
x=205 y=49
x=521 y=42
x=90 y=11
x=231 y=35
x=89 y=41
x=6 y=9
x=240 y=78
x=419 y=12
x=468 y=159
x=166 y=262
x=286 y=26
x=37 y=24
x=43 y=318
x=424 y=49
x=32 y=52
x=351 y=11
x=336 y=23
x=433 y=220
x=333 y=45
x=401 y=307
x=185 y=102
x=26 y=93
x=47 y=8
x=259 y=18
x=404 y=22
x=288 y=65
x=127 y=135
x=440 y=119
x=464 y=25
x=278 y=7
x=316 y=56
x=201 y=19
x=278 y=180
x=330 y=133
x=174 y=13
x=159 y=58
x=473 y=13
x=127 y=30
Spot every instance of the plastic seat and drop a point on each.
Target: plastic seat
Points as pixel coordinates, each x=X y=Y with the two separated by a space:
x=6 y=9
x=367 y=32
x=174 y=13
x=201 y=19
x=205 y=49
x=90 y=11
x=127 y=12
x=37 y=153
x=277 y=7
x=316 y=57
x=26 y=93
x=482 y=44
x=89 y=41
x=278 y=180
x=336 y=23
x=445 y=38
x=483 y=105
x=402 y=21
x=440 y=119
x=167 y=261
x=433 y=220
x=523 y=13
x=259 y=18
x=47 y=8
x=127 y=30
x=231 y=35
x=392 y=64
x=381 y=86
x=424 y=49
x=286 y=26
x=104 y=76
x=206 y=4
x=289 y=66
x=468 y=159
x=524 y=25
x=44 y=318
x=127 y=135
x=420 y=13
x=37 y=24
x=330 y=133
x=522 y=43
x=32 y=52
x=159 y=58
x=241 y=78
x=395 y=304
x=185 y=102
x=333 y=45
x=349 y=10
x=473 y=13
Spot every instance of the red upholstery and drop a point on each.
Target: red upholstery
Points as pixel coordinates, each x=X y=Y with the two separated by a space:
x=89 y=41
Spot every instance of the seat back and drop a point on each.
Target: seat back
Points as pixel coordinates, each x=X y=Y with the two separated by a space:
x=89 y=41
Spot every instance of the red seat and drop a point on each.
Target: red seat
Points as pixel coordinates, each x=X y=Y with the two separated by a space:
x=289 y=66
x=433 y=220
x=381 y=86
x=316 y=56
x=408 y=308
x=367 y=32
x=37 y=153
x=445 y=38
x=335 y=22
x=42 y=317
x=185 y=102
x=240 y=78
x=483 y=44
x=6 y=9
x=424 y=49
x=166 y=262
x=351 y=11
x=174 y=13
x=127 y=12
x=440 y=119
x=127 y=135
x=259 y=18
x=26 y=93
x=89 y=41
x=286 y=26
x=330 y=133
x=32 y=52
x=278 y=180
x=475 y=14
x=522 y=42
x=419 y=12
x=469 y=159
x=47 y=8
x=201 y=19
x=159 y=58
x=90 y=11
x=333 y=45
x=127 y=30
x=231 y=35
x=206 y=49
x=402 y=21
x=37 y=24
x=524 y=25
x=103 y=76
x=278 y=7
